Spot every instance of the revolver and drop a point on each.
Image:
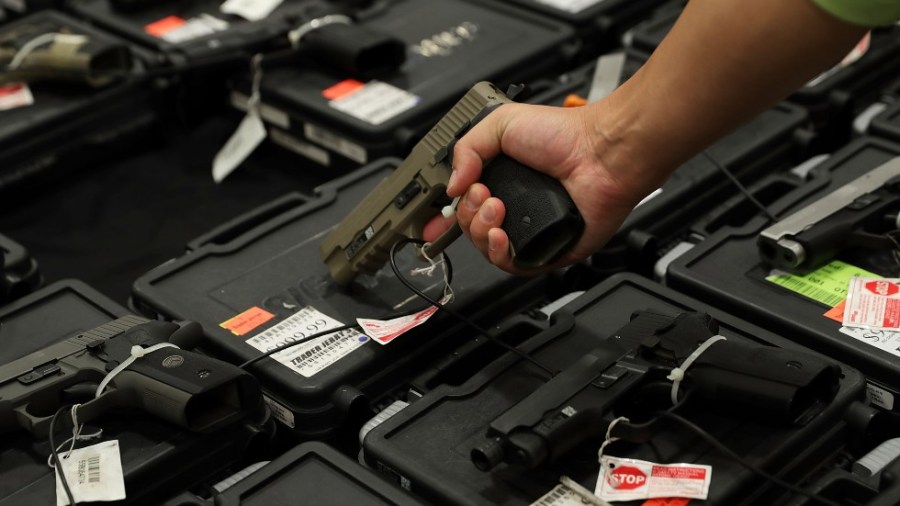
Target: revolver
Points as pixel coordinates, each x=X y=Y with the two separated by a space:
x=193 y=391
x=45 y=51
x=541 y=219
x=627 y=375
x=862 y=213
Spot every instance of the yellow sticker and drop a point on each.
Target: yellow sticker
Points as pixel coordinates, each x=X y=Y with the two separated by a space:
x=827 y=284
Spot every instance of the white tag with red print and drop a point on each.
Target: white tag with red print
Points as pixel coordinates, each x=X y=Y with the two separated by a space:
x=14 y=96
x=873 y=303
x=631 y=479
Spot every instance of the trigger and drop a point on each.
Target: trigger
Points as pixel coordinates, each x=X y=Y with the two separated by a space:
x=437 y=246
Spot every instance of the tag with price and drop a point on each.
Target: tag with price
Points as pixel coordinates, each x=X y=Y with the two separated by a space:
x=94 y=473
x=310 y=357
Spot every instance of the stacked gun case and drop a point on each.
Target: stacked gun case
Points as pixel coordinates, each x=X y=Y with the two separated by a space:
x=340 y=120
x=267 y=263
x=156 y=457
x=726 y=268
x=426 y=446
x=56 y=127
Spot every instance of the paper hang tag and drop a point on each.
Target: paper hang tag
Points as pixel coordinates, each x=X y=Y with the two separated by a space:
x=249 y=134
x=873 y=303
x=385 y=331
x=631 y=479
x=251 y=10
x=94 y=473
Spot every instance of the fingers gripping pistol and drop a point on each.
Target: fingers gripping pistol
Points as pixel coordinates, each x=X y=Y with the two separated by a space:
x=193 y=391
x=541 y=219
x=863 y=213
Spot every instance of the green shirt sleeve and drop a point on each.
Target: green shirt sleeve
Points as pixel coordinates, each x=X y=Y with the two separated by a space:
x=863 y=12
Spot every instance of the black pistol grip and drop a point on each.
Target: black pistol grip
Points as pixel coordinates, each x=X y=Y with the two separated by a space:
x=541 y=220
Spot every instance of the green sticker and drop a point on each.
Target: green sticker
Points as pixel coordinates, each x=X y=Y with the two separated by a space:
x=827 y=285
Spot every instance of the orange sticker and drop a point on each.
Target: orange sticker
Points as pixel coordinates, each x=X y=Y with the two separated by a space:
x=837 y=312
x=670 y=501
x=164 y=26
x=342 y=89
x=247 y=321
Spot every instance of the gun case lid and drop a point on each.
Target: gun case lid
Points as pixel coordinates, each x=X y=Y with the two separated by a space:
x=156 y=457
x=70 y=126
x=19 y=273
x=311 y=473
x=269 y=261
x=426 y=445
x=725 y=267
x=451 y=44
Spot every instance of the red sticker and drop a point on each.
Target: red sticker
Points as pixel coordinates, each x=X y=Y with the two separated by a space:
x=837 y=312
x=247 y=321
x=669 y=501
x=342 y=89
x=164 y=26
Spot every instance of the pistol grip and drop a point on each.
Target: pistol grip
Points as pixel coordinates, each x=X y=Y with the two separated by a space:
x=541 y=220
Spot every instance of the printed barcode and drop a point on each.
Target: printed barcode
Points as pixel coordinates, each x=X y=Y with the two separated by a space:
x=93 y=469
x=551 y=498
x=812 y=292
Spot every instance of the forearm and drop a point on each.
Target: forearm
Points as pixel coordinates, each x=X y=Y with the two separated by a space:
x=724 y=62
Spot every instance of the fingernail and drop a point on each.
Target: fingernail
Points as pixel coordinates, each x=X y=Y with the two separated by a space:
x=450 y=181
x=492 y=243
x=487 y=214
x=472 y=201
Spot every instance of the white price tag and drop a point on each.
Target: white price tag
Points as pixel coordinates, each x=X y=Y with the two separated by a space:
x=375 y=102
x=385 y=331
x=631 y=479
x=561 y=495
x=311 y=357
x=249 y=134
x=885 y=340
x=14 y=96
x=873 y=303
x=93 y=473
x=177 y=32
x=251 y=10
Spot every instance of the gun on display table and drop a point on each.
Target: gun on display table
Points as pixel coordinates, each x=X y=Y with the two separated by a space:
x=863 y=213
x=45 y=51
x=193 y=391
x=541 y=220
x=627 y=375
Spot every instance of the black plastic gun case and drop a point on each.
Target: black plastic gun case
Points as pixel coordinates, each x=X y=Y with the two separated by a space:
x=427 y=446
x=342 y=120
x=194 y=45
x=886 y=123
x=725 y=267
x=833 y=98
x=157 y=458
x=311 y=473
x=51 y=126
x=772 y=142
x=19 y=273
x=600 y=23
x=265 y=268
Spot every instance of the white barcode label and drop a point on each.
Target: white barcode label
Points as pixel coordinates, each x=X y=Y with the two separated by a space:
x=311 y=357
x=561 y=495
x=93 y=473
x=573 y=6
x=376 y=102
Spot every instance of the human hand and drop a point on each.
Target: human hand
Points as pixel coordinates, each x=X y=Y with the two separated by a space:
x=560 y=142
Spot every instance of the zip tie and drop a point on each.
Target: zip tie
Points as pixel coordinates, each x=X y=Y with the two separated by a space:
x=677 y=374
x=609 y=438
x=136 y=352
x=28 y=47
x=295 y=35
x=450 y=210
